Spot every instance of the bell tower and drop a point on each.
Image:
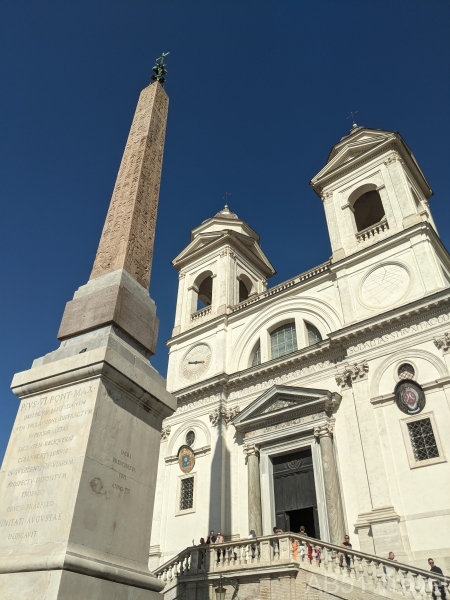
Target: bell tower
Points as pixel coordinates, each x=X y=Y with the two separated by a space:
x=385 y=247
x=222 y=266
x=372 y=188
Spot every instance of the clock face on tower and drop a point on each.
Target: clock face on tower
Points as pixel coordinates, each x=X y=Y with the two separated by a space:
x=196 y=362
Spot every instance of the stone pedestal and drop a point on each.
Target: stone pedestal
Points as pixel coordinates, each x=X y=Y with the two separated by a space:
x=254 y=489
x=78 y=478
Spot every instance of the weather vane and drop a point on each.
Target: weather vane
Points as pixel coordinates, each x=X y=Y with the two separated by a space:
x=352 y=117
x=227 y=194
x=160 y=69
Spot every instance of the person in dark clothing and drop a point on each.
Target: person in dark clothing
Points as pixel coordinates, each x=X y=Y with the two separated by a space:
x=346 y=544
x=211 y=539
x=436 y=583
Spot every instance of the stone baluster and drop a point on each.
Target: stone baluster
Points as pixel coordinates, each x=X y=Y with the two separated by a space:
x=254 y=489
x=266 y=551
x=334 y=562
x=324 y=435
x=428 y=587
x=378 y=575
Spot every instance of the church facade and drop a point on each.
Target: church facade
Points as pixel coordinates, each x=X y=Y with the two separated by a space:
x=324 y=401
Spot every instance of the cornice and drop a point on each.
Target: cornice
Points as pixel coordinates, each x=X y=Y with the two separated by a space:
x=387 y=242
x=389 y=321
x=386 y=399
x=334 y=350
x=303 y=279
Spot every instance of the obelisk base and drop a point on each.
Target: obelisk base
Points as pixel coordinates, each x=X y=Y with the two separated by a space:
x=66 y=585
x=78 y=479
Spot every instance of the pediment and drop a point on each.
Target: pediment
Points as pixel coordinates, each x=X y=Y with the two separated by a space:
x=353 y=147
x=213 y=239
x=284 y=401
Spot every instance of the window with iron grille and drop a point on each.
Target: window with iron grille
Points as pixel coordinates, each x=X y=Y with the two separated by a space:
x=406 y=371
x=283 y=340
x=423 y=441
x=187 y=493
x=257 y=357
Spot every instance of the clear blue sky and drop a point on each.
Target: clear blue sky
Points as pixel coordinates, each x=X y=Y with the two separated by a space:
x=259 y=92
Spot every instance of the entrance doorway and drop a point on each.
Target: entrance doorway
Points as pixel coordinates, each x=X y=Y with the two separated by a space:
x=304 y=516
x=295 y=493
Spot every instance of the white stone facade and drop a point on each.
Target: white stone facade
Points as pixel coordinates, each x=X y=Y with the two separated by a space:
x=380 y=302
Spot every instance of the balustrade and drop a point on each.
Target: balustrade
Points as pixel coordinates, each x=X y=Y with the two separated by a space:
x=367 y=571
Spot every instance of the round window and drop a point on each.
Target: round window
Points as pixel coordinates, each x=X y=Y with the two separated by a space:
x=406 y=371
x=190 y=438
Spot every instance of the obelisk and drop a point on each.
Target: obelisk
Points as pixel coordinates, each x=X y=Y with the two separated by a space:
x=78 y=479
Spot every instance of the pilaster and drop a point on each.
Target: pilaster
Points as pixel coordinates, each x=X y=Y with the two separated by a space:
x=381 y=520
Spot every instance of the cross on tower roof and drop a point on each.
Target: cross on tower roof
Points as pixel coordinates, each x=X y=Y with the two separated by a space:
x=352 y=117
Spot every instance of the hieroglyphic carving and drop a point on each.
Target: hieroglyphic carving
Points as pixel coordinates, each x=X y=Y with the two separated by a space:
x=128 y=235
x=351 y=374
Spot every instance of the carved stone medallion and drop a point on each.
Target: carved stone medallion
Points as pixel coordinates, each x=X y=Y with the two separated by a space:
x=385 y=285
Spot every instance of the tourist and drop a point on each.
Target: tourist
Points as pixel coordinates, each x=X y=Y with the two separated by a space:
x=318 y=555
x=302 y=550
x=302 y=530
x=389 y=570
x=294 y=545
x=345 y=544
x=436 y=582
x=277 y=530
x=202 y=542
x=254 y=547
x=275 y=546
x=310 y=552
x=211 y=539
x=219 y=540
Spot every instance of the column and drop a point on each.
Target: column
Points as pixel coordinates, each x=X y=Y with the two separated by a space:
x=254 y=489
x=324 y=435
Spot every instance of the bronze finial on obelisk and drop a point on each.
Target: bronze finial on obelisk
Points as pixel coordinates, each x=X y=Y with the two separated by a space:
x=125 y=251
x=129 y=233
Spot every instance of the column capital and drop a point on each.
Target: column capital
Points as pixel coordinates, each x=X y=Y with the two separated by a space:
x=323 y=431
x=442 y=342
x=352 y=374
x=225 y=414
x=251 y=450
x=165 y=432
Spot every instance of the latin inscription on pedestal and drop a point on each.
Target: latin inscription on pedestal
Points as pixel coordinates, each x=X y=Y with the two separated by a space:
x=44 y=457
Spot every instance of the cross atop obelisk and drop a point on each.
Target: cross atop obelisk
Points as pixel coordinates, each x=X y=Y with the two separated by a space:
x=129 y=232
x=125 y=252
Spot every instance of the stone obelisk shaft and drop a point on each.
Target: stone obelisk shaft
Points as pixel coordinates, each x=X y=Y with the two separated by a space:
x=117 y=292
x=129 y=233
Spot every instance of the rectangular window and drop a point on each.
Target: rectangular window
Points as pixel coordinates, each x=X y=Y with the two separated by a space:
x=422 y=438
x=187 y=493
